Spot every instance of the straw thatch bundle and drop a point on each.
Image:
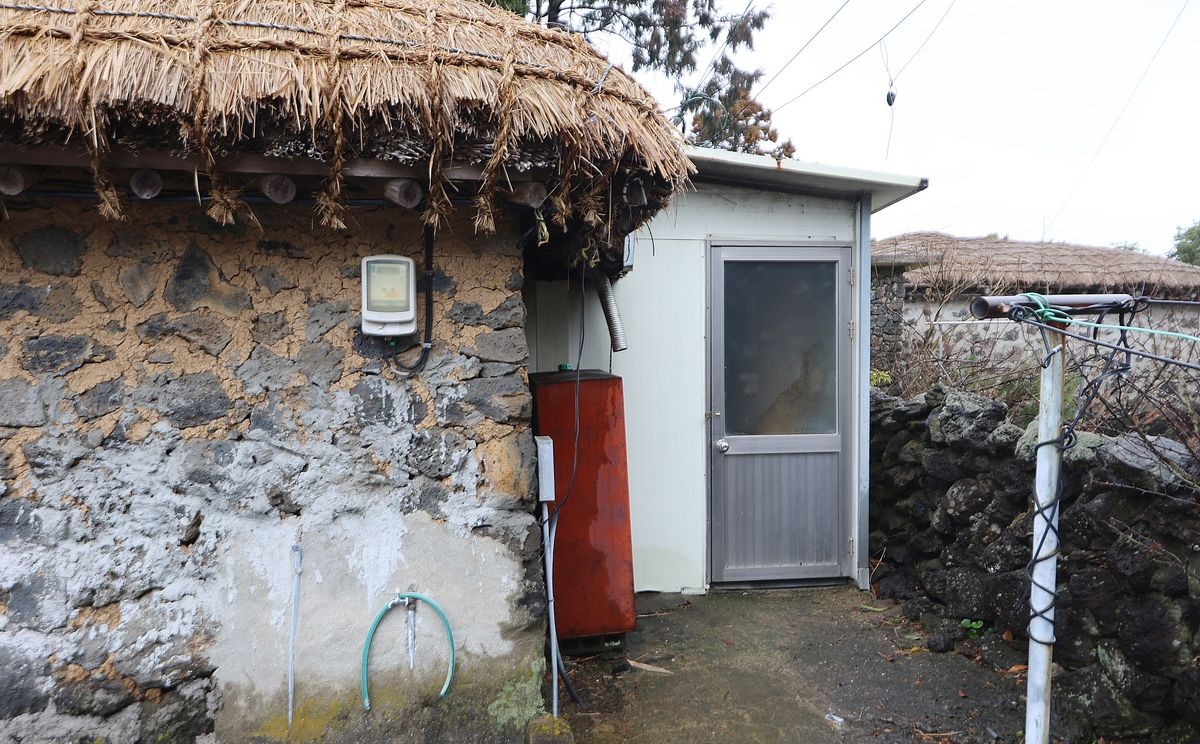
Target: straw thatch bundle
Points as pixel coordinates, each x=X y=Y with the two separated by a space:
x=412 y=82
x=988 y=264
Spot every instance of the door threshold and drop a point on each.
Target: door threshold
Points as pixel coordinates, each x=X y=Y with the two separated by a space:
x=730 y=586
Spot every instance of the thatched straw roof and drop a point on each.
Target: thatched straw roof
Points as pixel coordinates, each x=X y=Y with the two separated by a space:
x=992 y=264
x=431 y=82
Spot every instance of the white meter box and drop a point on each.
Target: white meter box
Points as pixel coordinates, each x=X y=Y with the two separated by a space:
x=389 y=284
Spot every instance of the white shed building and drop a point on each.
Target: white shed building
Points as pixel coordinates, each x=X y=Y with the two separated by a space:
x=747 y=317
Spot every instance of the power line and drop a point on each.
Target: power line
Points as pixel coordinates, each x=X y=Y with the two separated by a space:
x=852 y=60
x=797 y=54
x=923 y=43
x=712 y=63
x=1118 y=119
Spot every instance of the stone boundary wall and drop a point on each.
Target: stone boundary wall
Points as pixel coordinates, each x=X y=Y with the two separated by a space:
x=952 y=344
x=180 y=403
x=951 y=489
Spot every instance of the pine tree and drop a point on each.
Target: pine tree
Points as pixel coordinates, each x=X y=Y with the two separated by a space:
x=668 y=36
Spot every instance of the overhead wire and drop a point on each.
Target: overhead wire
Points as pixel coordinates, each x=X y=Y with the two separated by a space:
x=923 y=43
x=1116 y=121
x=716 y=55
x=806 y=45
x=891 y=99
x=852 y=60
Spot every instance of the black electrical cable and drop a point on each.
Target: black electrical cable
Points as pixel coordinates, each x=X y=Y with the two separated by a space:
x=428 y=344
x=578 y=362
x=1112 y=367
x=1172 y=302
x=567 y=681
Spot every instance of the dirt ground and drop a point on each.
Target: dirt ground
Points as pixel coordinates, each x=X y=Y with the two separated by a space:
x=799 y=665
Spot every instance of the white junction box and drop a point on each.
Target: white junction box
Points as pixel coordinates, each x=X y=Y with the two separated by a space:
x=389 y=284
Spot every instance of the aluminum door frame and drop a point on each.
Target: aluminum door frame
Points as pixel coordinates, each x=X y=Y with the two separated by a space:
x=842 y=252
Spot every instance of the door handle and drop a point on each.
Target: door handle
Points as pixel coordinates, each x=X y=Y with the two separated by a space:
x=722 y=446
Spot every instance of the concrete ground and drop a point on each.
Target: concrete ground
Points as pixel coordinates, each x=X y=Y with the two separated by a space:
x=800 y=665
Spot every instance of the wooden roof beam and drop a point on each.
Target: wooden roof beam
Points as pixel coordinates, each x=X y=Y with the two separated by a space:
x=63 y=157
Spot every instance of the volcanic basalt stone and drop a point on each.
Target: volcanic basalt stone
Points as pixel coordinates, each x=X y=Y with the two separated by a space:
x=282 y=248
x=939 y=643
x=323 y=317
x=270 y=278
x=1090 y=697
x=51 y=456
x=443 y=283
x=56 y=302
x=103 y=398
x=509 y=314
x=18 y=521
x=175 y=719
x=437 y=454
x=1186 y=696
x=1156 y=632
x=137 y=283
x=376 y=401
x=197 y=283
x=56 y=354
x=101 y=296
x=502 y=399
x=206 y=331
x=20 y=404
x=52 y=250
x=508 y=345
x=187 y=400
x=271 y=328
x=20 y=688
x=94 y=696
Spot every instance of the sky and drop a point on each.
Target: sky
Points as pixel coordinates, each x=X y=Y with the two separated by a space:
x=1002 y=110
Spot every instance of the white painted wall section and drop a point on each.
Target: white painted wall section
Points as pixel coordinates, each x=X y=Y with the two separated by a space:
x=663 y=304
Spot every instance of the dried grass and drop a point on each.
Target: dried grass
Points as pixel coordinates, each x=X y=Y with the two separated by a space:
x=994 y=265
x=392 y=79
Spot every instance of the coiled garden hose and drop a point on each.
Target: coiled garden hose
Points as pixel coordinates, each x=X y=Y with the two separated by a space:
x=400 y=599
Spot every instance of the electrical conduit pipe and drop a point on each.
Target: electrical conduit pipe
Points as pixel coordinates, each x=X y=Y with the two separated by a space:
x=397 y=600
x=612 y=315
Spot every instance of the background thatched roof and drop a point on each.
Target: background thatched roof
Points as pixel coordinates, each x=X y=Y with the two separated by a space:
x=992 y=264
x=435 y=81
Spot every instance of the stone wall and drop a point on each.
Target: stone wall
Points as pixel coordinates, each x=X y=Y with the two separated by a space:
x=951 y=486
x=921 y=336
x=180 y=403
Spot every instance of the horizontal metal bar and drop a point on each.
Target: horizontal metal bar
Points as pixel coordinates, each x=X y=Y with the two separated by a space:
x=781 y=444
x=769 y=573
x=1080 y=304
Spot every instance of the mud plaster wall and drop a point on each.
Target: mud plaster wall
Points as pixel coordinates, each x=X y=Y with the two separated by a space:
x=181 y=403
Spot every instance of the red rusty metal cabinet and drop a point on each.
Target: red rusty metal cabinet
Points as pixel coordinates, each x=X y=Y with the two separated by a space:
x=593 y=554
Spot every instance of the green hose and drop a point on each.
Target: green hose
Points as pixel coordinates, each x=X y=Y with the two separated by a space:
x=399 y=598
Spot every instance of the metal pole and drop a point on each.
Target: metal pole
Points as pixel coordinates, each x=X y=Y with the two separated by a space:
x=296 y=558
x=1045 y=548
x=546 y=494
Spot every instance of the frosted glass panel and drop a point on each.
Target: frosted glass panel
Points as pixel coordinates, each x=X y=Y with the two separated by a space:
x=780 y=347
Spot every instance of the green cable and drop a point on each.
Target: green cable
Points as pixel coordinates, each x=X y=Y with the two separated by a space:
x=1046 y=313
x=371 y=635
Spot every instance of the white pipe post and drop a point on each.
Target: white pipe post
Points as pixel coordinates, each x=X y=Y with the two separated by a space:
x=546 y=493
x=1045 y=546
x=296 y=558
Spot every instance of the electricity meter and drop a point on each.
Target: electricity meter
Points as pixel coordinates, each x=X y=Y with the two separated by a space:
x=389 y=284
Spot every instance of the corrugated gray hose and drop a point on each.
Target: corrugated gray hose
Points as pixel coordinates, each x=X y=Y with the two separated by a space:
x=612 y=315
